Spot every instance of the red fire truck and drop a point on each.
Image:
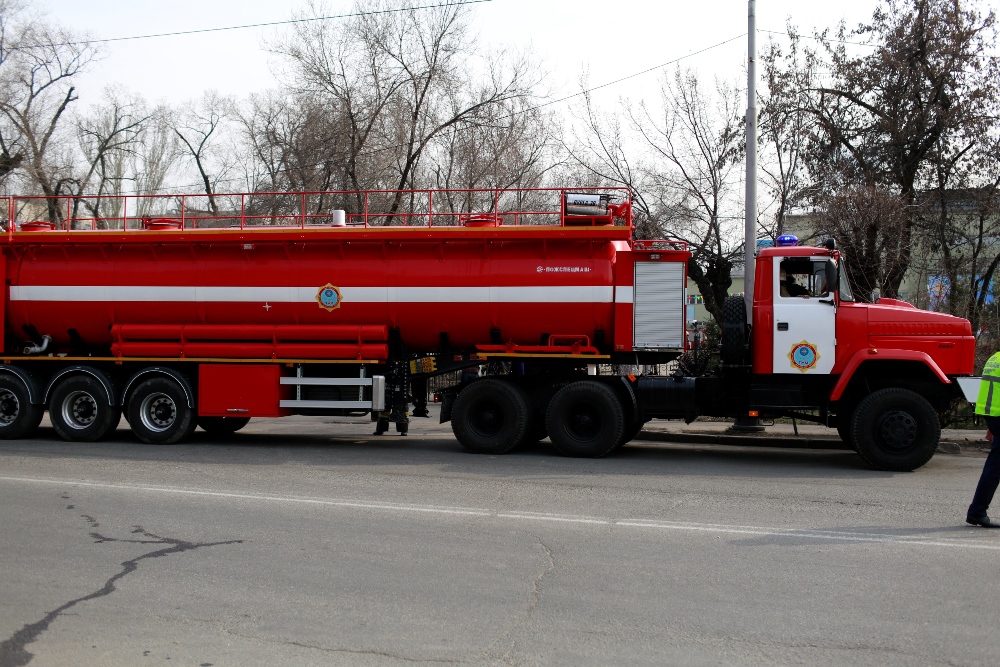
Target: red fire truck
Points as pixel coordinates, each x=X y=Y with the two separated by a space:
x=274 y=304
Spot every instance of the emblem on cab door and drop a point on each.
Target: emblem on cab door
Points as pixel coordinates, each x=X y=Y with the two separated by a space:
x=803 y=356
x=329 y=297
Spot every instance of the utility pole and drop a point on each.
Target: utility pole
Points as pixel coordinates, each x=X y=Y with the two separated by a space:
x=750 y=222
x=750 y=424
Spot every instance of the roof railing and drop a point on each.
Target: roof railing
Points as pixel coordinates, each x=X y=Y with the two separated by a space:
x=320 y=209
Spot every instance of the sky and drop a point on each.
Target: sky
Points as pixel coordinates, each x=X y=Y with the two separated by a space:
x=609 y=40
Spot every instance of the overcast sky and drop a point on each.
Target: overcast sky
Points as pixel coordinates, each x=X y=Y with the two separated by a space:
x=610 y=39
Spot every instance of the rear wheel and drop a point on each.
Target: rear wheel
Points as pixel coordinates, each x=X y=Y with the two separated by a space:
x=490 y=416
x=158 y=412
x=222 y=425
x=79 y=410
x=18 y=417
x=630 y=431
x=895 y=429
x=585 y=419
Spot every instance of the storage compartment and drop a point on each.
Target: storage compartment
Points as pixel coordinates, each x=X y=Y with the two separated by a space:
x=241 y=390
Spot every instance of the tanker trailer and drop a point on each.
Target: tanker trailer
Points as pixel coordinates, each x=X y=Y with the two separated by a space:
x=284 y=305
x=195 y=319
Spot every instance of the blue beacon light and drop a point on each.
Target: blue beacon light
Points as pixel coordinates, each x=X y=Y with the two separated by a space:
x=787 y=240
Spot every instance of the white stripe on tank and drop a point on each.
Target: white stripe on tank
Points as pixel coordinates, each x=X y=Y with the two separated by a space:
x=217 y=294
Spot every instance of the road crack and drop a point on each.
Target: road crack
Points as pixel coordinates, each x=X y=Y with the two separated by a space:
x=13 y=651
x=534 y=598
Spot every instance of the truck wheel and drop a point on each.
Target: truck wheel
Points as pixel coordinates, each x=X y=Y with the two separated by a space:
x=630 y=431
x=536 y=431
x=490 y=416
x=158 y=412
x=895 y=429
x=844 y=431
x=18 y=417
x=222 y=425
x=585 y=419
x=79 y=411
x=734 y=331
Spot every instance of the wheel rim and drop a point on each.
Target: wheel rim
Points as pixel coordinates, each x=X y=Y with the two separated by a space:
x=10 y=407
x=584 y=421
x=79 y=410
x=897 y=430
x=487 y=419
x=158 y=412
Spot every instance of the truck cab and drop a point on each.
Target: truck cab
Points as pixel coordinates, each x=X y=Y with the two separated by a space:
x=881 y=372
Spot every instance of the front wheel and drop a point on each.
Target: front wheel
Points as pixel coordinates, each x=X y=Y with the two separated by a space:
x=158 y=412
x=585 y=419
x=895 y=429
x=80 y=412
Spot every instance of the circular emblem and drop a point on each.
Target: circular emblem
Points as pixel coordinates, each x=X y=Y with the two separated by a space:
x=329 y=297
x=803 y=356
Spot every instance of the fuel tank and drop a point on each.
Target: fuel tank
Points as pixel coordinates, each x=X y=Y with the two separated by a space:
x=440 y=288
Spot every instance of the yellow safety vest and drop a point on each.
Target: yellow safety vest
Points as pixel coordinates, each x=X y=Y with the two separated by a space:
x=988 y=401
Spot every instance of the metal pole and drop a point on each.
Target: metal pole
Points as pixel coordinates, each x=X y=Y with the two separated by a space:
x=750 y=424
x=750 y=222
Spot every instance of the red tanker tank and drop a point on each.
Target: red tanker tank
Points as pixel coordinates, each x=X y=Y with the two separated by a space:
x=202 y=291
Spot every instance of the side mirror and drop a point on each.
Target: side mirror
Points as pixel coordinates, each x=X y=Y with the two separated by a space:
x=832 y=277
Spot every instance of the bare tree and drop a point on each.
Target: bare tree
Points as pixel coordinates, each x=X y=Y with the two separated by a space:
x=394 y=83
x=511 y=147
x=199 y=127
x=786 y=130
x=681 y=164
x=868 y=224
x=107 y=137
x=38 y=62
x=699 y=141
x=155 y=155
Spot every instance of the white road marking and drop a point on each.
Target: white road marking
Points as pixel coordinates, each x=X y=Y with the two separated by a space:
x=648 y=524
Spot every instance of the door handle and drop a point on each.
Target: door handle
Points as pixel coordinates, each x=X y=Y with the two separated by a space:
x=782 y=326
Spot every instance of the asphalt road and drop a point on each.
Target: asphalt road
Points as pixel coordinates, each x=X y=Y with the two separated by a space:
x=307 y=541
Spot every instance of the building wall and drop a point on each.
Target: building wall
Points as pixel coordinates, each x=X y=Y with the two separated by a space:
x=696 y=309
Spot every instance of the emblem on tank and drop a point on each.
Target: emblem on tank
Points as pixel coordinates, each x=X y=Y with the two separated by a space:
x=329 y=297
x=803 y=356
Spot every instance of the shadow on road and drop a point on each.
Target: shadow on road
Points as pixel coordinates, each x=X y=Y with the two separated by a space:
x=301 y=444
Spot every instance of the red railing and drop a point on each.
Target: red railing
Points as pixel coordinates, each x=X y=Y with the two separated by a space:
x=373 y=208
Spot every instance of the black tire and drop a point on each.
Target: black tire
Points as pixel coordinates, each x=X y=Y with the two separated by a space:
x=18 y=417
x=844 y=431
x=693 y=367
x=536 y=431
x=159 y=414
x=734 y=331
x=895 y=429
x=490 y=416
x=222 y=425
x=630 y=431
x=79 y=410
x=585 y=419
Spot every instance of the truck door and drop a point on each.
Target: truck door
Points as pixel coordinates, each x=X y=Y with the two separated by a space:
x=805 y=335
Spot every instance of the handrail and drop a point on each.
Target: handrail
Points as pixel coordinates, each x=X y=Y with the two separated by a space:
x=306 y=209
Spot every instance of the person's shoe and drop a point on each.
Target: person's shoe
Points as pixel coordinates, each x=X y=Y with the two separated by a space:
x=984 y=521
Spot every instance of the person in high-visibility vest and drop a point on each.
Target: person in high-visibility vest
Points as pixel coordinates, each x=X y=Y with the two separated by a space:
x=988 y=405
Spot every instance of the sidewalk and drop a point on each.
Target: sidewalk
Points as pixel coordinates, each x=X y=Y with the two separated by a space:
x=810 y=436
